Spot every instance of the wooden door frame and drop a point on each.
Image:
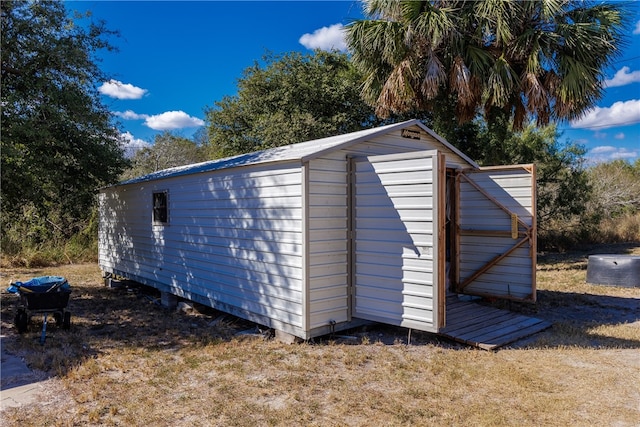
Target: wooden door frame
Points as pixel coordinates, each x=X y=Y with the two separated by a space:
x=440 y=194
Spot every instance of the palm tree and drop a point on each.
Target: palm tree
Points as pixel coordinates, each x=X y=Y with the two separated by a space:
x=541 y=59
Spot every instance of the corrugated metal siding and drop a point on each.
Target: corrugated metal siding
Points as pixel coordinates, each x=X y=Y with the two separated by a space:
x=395 y=242
x=512 y=276
x=233 y=237
x=245 y=232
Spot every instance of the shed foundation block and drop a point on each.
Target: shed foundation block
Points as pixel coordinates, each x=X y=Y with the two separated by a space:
x=287 y=338
x=168 y=300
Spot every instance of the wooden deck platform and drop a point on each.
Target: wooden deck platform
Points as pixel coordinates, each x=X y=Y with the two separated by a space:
x=486 y=327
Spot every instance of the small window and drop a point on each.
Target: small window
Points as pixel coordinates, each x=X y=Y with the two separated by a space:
x=160 y=209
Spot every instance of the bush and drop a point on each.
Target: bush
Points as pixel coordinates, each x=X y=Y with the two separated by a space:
x=611 y=213
x=31 y=241
x=622 y=229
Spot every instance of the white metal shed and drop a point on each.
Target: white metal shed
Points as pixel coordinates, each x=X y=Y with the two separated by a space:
x=379 y=224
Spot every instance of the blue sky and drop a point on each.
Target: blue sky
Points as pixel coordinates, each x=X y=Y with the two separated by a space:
x=177 y=58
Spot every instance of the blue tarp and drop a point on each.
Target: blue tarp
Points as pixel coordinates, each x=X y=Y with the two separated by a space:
x=41 y=284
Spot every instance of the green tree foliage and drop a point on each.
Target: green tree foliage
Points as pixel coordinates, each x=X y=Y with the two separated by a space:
x=287 y=99
x=58 y=142
x=563 y=188
x=167 y=151
x=609 y=212
x=540 y=59
x=563 y=185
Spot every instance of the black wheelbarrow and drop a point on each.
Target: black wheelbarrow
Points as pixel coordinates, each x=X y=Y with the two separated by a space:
x=42 y=295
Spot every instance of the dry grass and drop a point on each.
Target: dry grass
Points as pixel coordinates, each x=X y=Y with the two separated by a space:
x=624 y=228
x=127 y=361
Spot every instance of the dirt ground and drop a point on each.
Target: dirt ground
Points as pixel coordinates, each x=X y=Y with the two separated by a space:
x=125 y=352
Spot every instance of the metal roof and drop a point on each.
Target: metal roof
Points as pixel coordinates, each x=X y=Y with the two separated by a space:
x=303 y=151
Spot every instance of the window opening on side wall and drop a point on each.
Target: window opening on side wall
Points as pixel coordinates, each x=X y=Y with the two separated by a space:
x=160 y=207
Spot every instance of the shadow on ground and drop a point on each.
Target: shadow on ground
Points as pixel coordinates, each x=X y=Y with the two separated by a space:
x=583 y=320
x=104 y=318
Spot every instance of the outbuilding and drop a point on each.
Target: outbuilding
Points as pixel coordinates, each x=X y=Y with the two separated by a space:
x=380 y=225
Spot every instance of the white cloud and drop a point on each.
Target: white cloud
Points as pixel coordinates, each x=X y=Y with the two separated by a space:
x=619 y=135
x=600 y=135
x=623 y=77
x=119 y=90
x=607 y=153
x=172 y=120
x=131 y=115
x=165 y=121
x=620 y=113
x=603 y=149
x=623 y=153
x=131 y=144
x=637 y=29
x=325 y=38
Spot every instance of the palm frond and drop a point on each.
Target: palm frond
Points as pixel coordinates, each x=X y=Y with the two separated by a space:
x=434 y=76
x=397 y=94
x=535 y=93
x=437 y=25
x=543 y=58
x=383 y=9
x=495 y=18
x=460 y=82
x=501 y=81
x=519 y=114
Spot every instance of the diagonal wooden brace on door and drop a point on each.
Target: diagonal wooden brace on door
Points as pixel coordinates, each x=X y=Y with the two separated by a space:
x=493 y=261
x=520 y=231
x=495 y=201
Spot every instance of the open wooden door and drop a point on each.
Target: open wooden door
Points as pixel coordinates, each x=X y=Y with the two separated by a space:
x=495 y=226
x=398 y=239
